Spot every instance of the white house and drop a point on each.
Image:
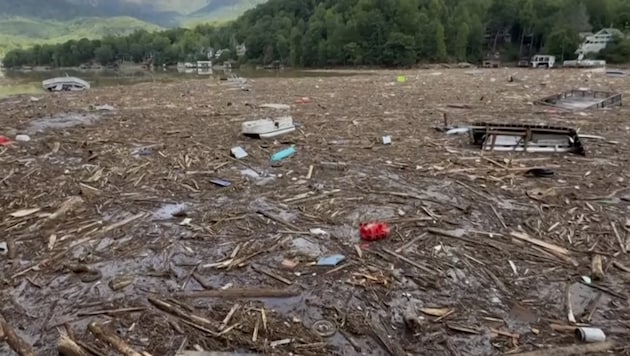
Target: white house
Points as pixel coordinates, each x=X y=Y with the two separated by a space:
x=241 y=50
x=594 y=43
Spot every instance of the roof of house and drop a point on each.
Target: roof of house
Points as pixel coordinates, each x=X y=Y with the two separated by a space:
x=609 y=31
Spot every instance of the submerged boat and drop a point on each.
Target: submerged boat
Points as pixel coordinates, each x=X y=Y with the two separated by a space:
x=267 y=128
x=270 y=127
x=65 y=84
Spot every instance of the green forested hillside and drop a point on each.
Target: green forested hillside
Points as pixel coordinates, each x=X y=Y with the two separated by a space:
x=23 y=32
x=370 y=32
x=395 y=32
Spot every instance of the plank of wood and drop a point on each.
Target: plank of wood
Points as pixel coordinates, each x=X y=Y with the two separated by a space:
x=241 y=293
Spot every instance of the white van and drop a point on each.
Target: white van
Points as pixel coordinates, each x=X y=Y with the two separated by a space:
x=543 y=61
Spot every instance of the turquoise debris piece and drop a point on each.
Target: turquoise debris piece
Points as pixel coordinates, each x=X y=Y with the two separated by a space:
x=280 y=155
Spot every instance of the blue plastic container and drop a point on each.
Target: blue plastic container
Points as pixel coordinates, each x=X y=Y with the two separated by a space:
x=280 y=155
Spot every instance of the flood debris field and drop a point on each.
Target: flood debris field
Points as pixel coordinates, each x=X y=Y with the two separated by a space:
x=116 y=239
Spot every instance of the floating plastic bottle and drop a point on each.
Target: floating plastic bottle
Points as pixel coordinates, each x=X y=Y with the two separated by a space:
x=280 y=155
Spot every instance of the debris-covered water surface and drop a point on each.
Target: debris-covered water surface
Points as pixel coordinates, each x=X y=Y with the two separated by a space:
x=135 y=231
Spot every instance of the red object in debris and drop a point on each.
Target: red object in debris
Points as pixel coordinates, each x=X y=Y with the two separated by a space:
x=4 y=141
x=374 y=231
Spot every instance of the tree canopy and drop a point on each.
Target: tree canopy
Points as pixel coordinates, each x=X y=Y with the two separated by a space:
x=315 y=33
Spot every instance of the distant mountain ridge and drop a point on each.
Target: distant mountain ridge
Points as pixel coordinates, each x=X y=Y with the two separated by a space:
x=166 y=13
x=25 y=22
x=64 y=10
x=219 y=5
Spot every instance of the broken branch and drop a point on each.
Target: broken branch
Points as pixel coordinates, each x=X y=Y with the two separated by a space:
x=241 y=293
x=571 y=350
x=99 y=331
x=14 y=341
x=68 y=347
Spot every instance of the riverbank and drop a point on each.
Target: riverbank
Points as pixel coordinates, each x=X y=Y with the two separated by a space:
x=29 y=82
x=137 y=221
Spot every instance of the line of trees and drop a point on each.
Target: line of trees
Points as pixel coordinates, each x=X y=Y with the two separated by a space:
x=316 y=33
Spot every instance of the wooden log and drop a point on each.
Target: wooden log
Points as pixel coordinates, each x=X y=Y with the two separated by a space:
x=241 y=293
x=206 y=324
x=597 y=268
x=572 y=350
x=17 y=344
x=112 y=339
x=67 y=347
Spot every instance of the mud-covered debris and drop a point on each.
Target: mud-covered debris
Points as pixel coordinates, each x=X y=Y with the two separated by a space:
x=439 y=312
x=24 y=212
x=17 y=343
x=109 y=337
x=318 y=232
x=142 y=151
x=303 y=100
x=121 y=282
x=105 y=107
x=86 y=274
x=412 y=320
x=458 y=106
x=275 y=106
x=214 y=353
x=289 y=263
x=586 y=334
x=324 y=328
x=277 y=343
x=273 y=275
x=238 y=152
x=220 y=182
x=540 y=172
x=169 y=211
x=306 y=247
x=451 y=248
x=241 y=293
x=146 y=150
x=458 y=131
x=68 y=347
x=66 y=207
x=331 y=261
x=52 y=239
x=600 y=347
x=597 y=268
x=540 y=193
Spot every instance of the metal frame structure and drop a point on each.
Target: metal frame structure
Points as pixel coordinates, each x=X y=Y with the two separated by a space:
x=525 y=138
x=607 y=99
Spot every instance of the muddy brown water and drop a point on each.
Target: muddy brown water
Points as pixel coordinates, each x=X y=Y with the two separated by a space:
x=29 y=82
